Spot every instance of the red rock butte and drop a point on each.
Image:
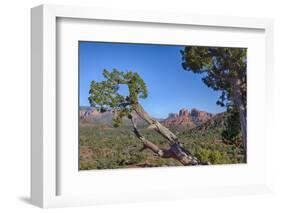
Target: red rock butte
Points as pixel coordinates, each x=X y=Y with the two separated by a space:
x=186 y=118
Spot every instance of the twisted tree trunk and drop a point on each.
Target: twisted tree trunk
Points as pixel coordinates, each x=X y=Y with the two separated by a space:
x=176 y=148
x=237 y=98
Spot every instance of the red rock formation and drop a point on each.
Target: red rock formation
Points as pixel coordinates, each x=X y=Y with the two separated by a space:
x=184 y=112
x=182 y=118
x=185 y=118
x=201 y=116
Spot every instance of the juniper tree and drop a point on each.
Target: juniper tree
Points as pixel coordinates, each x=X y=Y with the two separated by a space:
x=105 y=95
x=224 y=70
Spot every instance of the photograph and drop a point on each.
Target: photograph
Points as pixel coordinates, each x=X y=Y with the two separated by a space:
x=160 y=105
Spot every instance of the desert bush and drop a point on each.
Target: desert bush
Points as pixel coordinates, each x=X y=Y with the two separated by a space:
x=119 y=148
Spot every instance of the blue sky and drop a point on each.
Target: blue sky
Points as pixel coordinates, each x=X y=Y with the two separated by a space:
x=170 y=87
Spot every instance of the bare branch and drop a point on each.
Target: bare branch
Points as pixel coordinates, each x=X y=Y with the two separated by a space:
x=176 y=148
x=176 y=151
x=147 y=143
x=154 y=124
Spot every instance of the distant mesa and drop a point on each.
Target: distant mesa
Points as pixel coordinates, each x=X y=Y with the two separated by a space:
x=185 y=118
x=202 y=116
x=89 y=115
x=183 y=112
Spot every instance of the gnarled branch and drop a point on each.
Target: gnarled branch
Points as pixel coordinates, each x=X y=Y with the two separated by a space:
x=176 y=148
x=176 y=151
x=154 y=124
x=105 y=95
x=148 y=144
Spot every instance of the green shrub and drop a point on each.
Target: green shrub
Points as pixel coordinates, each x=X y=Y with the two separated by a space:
x=119 y=148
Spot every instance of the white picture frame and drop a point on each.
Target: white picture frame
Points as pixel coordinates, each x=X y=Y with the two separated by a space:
x=45 y=178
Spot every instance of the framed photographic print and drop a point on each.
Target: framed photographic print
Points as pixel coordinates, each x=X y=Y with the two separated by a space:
x=130 y=106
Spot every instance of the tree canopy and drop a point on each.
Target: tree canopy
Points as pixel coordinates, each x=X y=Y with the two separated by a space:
x=220 y=66
x=223 y=69
x=105 y=95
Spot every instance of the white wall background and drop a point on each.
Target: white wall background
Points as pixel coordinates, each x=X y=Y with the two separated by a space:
x=15 y=105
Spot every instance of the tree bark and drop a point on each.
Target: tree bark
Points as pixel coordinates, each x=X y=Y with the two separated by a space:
x=165 y=132
x=237 y=98
x=164 y=153
x=176 y=148
x=148 y=144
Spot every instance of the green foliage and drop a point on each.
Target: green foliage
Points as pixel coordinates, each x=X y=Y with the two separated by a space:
x=203 y=154
x=219 y=64
x=104 y=95
x=223 y=69
x=115 y=148
x=87 y=165
x=212 y=156
x=232 y=131
x=206 y=143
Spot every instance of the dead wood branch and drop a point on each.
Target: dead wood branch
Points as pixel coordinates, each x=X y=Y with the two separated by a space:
x=176 y=151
